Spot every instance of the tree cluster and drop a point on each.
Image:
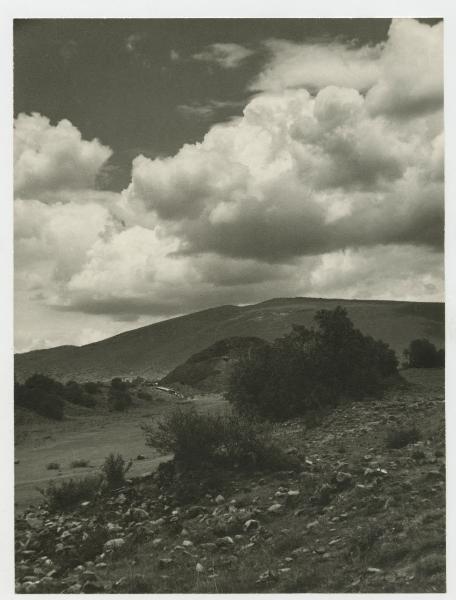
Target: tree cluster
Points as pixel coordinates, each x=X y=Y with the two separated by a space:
x=311 y=369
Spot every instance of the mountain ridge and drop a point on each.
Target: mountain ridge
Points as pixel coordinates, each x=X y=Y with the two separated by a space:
x=153 y=350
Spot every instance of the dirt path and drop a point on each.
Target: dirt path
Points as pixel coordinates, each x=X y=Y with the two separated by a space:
x=89 y=437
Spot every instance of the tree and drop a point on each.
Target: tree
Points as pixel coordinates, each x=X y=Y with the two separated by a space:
x=309 y=370
x=41 y=394
x=119 y=397
x=422 y=353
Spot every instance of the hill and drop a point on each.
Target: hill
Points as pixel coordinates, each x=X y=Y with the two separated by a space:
x=355 y=516
x=154 y=350
x=209 y=370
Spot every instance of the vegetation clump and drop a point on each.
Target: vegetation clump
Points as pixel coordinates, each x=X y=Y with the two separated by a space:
x=422 y=353
x=232 y=441
x=79 y=463
x=76 y=394
x=41 y=394
x=119 y=397
x=310 y=370
x=66 y=495
x=114 y=470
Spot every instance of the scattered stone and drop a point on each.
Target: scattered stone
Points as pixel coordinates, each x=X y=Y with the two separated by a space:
x=114 y=544
x=92 y=587
x=199 y=568
x=251 y=524
x=163 y=563
x=268 y=575
x=139 y=513
x=194 y=511
x=225 y=541
x=373 y=570
x=275 y=508
x=140 y=457
x=312 y=524
x=219 y=499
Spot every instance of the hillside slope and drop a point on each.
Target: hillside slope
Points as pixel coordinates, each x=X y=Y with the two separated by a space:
x=357 y=516
x=209 y=370
x=154 y=350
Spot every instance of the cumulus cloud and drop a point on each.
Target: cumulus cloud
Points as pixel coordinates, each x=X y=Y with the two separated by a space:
x=224 y=56
x=382 y=272
x=411 y=70
x=49 y=158
x=402 y=76
x=298 y=175
x=334 y=190
x=315 y=66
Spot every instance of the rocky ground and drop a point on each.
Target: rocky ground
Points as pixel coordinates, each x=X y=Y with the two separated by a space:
x=357 y=516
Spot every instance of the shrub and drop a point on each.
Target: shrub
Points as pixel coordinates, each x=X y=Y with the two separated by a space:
x=79 y=463
x=309 y=370
x=52 y=466
x=74 y=393
x=119 y=397
x=421 y=353
x=399 y=438
x=66 y=495
x=232 y=441
x=114 y=469
x=91 y=387
x=41 y=394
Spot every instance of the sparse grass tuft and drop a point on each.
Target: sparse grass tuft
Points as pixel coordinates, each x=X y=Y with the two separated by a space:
x=79 y=463
x=114 y=469
x=66 y=495
x=53 y=466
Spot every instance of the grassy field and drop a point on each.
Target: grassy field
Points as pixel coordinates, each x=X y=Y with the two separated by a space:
x=360 y=515
x=87 y=435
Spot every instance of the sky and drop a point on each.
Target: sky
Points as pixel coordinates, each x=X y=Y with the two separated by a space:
x=166 y=166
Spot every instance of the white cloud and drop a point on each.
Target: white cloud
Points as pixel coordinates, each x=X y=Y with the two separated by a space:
x=383 y=273
x=225 y=56
x=329 y=192
x=402 y=76
x=297 y=175
x=49 y=158
x=315 y=66
x=411 y=70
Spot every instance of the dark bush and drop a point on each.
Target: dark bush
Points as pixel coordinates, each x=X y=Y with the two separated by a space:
x=41 y=394
x=79 y=463
x=74 y=393
x=91 y=387
x=52 y=466
x=423 y=354
x=66 y=495
x=114 y=469
x=233 y=441
x=119 y=397
x=309 y=370
x=399 y=438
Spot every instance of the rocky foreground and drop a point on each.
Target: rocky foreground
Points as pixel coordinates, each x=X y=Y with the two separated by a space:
x=357 y=516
